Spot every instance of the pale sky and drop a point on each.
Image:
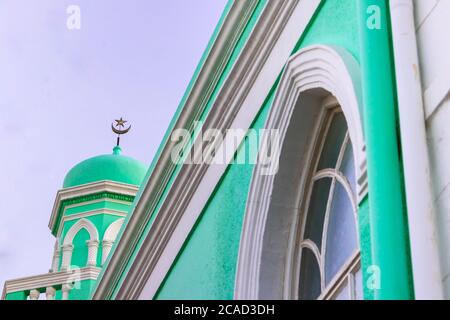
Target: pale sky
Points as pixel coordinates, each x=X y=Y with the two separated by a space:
x=60 y=90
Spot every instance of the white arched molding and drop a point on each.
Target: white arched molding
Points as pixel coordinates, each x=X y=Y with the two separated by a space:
x=310 y=78
x=92 y=243
x=109 y=237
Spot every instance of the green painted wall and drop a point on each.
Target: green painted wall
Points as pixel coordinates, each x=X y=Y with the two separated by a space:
x=366 y=246
x=82 y=290
x=336 y=23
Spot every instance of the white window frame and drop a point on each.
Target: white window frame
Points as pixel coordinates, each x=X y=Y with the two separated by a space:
x=331 y=108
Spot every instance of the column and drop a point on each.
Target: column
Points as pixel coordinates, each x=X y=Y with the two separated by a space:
x=106 y=249
x=50 y=293
x=92 y=252
x=34 y=294
x=66 y=290
x=67 y=250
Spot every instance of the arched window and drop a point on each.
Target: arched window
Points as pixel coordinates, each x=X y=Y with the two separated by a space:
x=299 y=237
x=328 y=247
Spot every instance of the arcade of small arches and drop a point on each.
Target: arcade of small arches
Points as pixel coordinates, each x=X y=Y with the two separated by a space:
x=67 y=246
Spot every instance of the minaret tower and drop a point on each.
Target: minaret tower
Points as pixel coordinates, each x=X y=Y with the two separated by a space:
x=86 y=219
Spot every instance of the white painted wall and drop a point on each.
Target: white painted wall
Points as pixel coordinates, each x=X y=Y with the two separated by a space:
x=433 y=37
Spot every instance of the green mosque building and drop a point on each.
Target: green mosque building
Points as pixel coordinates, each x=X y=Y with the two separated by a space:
x=308 y=159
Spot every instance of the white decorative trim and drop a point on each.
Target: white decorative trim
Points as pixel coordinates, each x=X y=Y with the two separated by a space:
x=113 y=230
x=86 y=214
x=67 y=247
x=82 y=223
x=49 y=280
x=87 y=189
x=109 y=237
x=67 y=250
x=315 y=67
x=424 y=236
x=437 y=92
x=236 y=106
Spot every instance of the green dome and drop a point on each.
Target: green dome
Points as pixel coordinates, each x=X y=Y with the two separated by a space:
x=113 y=167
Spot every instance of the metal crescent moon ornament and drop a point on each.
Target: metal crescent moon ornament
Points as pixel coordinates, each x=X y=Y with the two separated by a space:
x=120 y=124
x=118 y=131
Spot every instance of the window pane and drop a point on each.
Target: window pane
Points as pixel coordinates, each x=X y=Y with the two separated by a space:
x=316 y=211
x=309 y=276
x=348 y=166
x=358 y=285
x=342 y=293
x=341 y=233
x=333 y=142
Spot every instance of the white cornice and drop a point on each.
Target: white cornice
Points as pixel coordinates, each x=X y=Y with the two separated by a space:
x=49 y=280
x=264 y=53
x=87 y=189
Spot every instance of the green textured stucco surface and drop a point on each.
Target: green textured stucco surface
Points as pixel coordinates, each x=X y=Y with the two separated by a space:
x=82 y=290
x=365 y=245
x=335 y=23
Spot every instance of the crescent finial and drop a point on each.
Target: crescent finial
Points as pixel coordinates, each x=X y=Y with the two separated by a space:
x=116 y=128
